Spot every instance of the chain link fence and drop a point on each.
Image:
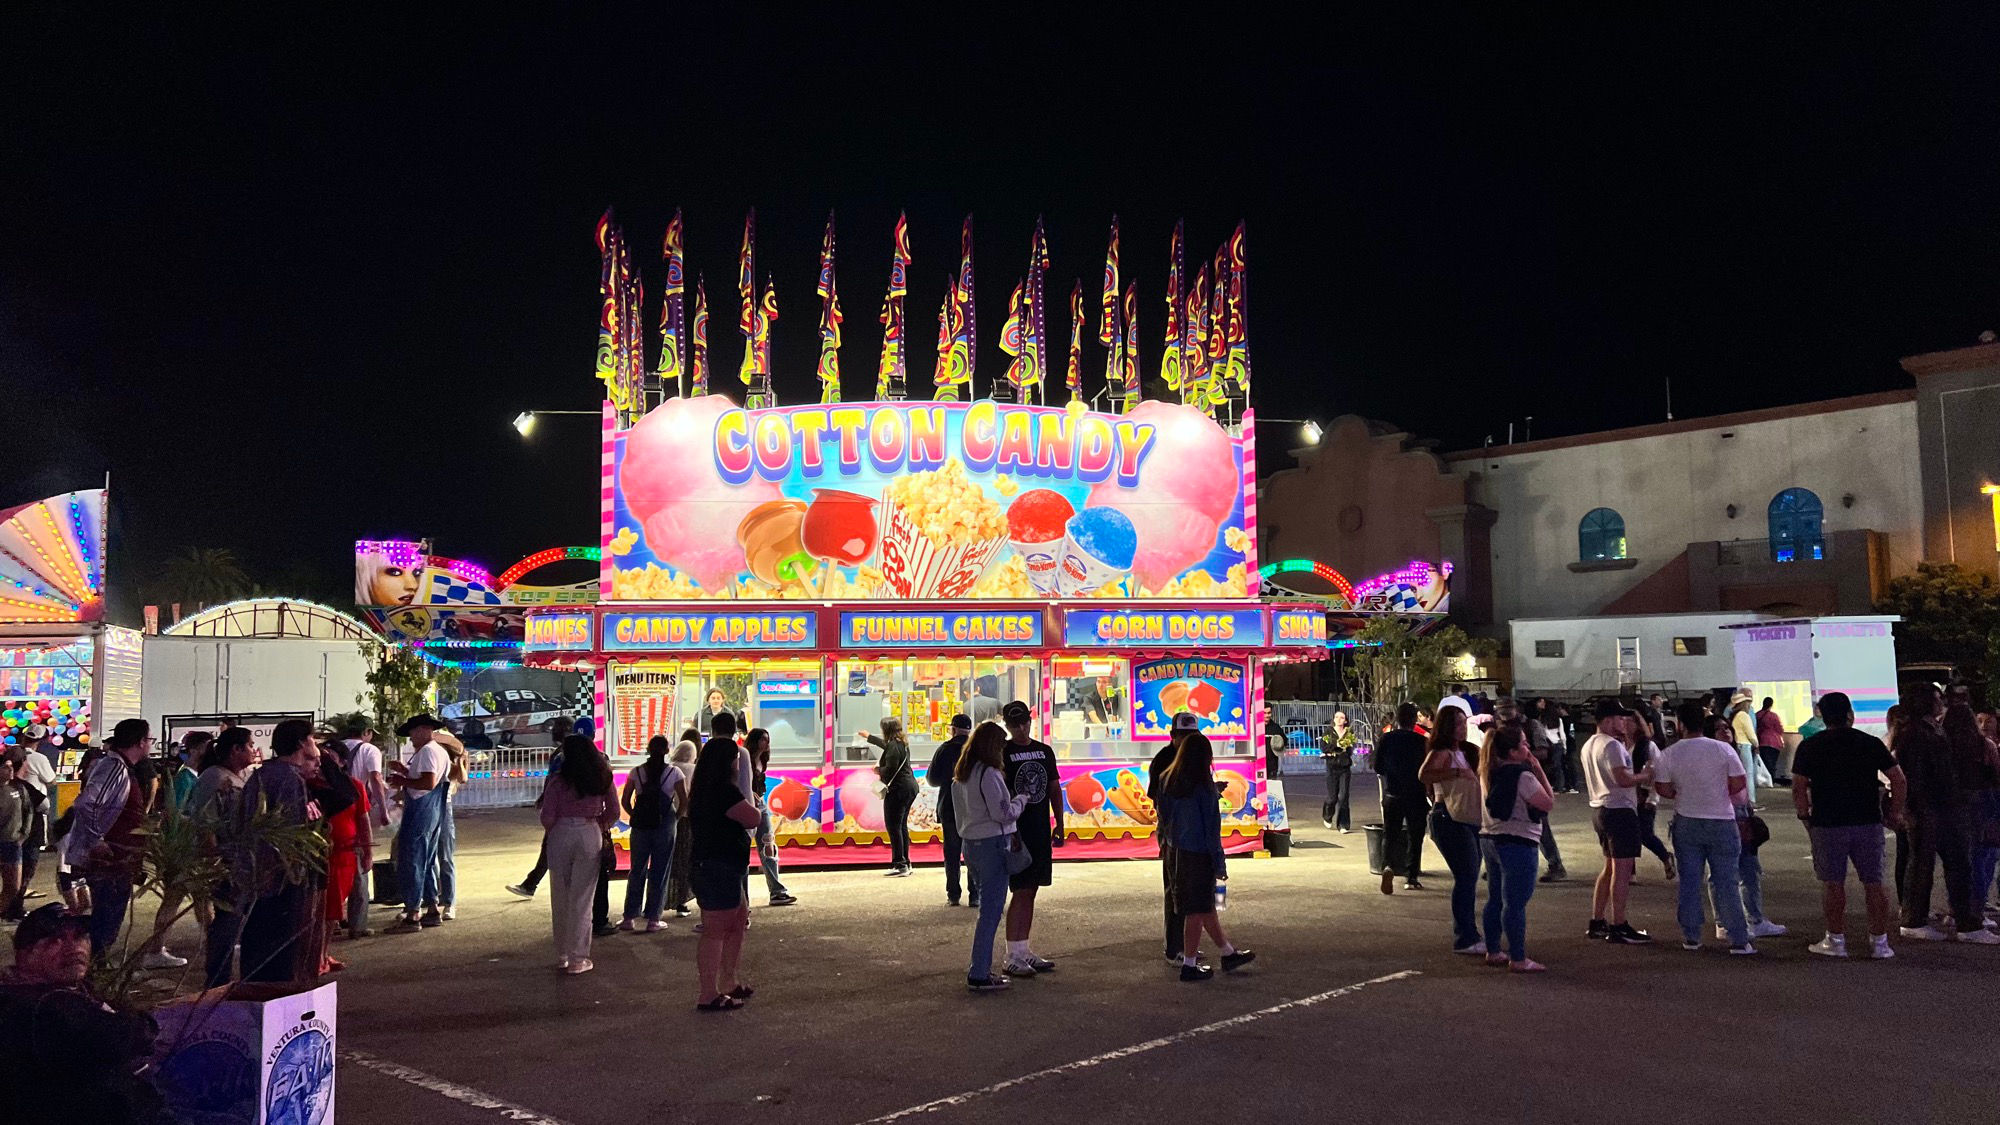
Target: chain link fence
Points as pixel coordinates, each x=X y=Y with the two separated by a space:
x=1308 y=723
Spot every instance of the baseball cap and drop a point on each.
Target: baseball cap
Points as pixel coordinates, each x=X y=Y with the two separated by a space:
x=51 y=921
x=961 y=722
x=1612 y=709
x=1015 y=712
x=1185 y=720
x=35 y=732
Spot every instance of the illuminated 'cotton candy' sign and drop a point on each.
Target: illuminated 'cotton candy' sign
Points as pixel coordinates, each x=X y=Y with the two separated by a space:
x=926 y=501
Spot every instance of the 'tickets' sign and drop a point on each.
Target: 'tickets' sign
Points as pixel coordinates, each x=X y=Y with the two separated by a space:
x=926 y=500
x=1213 y=691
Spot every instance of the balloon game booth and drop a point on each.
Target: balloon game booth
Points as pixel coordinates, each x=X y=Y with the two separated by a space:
x=63 y=671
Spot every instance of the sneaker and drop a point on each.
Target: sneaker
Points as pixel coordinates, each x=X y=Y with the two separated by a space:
x=1744 y=950
x=1553 y=875
x=1388 y=882
x=1041 y=964
x=683 y=912
x=448 y=914
x=1476 y=949
x=1526 y=966
x=1195 y=972
x=1173 y=956
x=1768 y=928
x=579 y=966
x=1327 y=823
x=1923 y=933
x=1412 y=885
x=406 y=924
x=1624 y=933
x=625 y=927
x=161 y=959
x=1018 y=967
x=1878 y=947
x=522 y=889
x=605 y=930
x=1598 y=929
x=1347 y=832
x=1832 y=945
x=784 y=899
x=989 y=984
x=1234 y=961
x=656 y=927
x=1979 y=937
x=1692 y=945
x=951 y=902
x=430 y=919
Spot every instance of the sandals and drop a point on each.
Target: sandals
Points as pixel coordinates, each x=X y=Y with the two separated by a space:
x=722 y=1003
x=742 y=992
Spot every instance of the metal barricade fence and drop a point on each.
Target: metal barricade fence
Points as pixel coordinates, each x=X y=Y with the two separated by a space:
x=504 y=778
x=1308 y=722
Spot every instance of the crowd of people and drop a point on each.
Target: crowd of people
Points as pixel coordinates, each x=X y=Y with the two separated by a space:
x=1484 y=777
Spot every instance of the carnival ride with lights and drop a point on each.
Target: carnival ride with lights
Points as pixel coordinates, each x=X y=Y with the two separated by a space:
x=823 y=567
x=64 y=672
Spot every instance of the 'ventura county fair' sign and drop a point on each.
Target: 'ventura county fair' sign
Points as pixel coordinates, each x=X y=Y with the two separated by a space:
x=926 y=500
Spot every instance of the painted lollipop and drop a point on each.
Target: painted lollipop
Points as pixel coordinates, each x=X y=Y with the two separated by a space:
x=840 y=529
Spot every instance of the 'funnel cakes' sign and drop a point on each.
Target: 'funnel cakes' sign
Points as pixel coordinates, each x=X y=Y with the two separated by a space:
x=925 y=500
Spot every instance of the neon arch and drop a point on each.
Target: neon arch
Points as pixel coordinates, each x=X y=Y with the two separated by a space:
x=1307 y=566
x=541 y=559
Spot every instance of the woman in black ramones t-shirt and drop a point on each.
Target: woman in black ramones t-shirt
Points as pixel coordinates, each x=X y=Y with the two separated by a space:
x=722 y=819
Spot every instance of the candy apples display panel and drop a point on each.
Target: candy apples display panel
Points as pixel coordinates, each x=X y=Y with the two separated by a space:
x=916 y=500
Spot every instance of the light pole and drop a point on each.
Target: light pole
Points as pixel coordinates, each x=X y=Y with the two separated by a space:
x=524 y=422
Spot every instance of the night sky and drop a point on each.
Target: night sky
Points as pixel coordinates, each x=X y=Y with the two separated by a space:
x=288 y=282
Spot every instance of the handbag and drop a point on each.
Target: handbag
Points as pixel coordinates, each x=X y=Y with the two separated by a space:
x=1018 y=857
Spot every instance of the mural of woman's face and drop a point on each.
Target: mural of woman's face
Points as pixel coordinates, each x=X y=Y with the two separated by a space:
x=394 y=585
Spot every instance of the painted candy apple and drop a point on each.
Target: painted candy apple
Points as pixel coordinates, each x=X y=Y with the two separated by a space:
x=1204 y=699
x=1084 y=793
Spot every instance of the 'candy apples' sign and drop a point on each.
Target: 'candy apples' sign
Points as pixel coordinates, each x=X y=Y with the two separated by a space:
x=926 y=500
x=1212 y=690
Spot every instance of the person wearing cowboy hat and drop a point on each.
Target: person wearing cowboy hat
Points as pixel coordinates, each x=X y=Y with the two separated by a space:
x=1743 y=725
x=422 y=783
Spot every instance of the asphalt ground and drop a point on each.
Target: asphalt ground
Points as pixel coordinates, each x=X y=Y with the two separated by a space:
x=1355 y=1009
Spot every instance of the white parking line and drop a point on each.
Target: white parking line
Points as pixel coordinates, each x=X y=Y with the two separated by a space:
x=452 y=1090
x=1138 y=1048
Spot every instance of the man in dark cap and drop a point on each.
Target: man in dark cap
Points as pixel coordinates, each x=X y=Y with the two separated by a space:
x=1031 y=772
x=939 y=775
x=70 y=1057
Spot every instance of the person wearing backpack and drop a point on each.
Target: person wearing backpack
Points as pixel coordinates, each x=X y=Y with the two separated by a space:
x=652 y=793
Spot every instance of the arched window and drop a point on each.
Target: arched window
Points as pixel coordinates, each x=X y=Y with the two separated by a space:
x=1601 y=535
x=1795 y=526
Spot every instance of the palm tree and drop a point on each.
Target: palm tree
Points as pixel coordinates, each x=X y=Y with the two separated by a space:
x=199 y=577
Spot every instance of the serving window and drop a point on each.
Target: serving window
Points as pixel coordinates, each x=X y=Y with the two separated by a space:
x=670 y=698
x=1091 y=709
x=924 y=694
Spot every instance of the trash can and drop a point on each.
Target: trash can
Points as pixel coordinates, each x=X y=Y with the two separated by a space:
x=1279 y=844
x=1378 y=843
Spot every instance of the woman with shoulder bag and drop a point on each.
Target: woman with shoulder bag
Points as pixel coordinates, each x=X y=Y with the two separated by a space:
x=899 y=791
x=651 y=793
x=987 y=814
x=1518 y=798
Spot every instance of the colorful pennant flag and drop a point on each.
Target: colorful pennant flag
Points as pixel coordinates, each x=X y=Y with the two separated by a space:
x=892 y=374
x=698 y=341
x=673 y=362
x=1012 y=341
x=1108 y=332
x=829 y=320
x=611 y=295
x=1133 y=391
x=1034 y=308
x=1238 y=342
x=1074 y=379
x=746 y=289
x=1194 y=340
x=1170 y=358
x=955 y=326
x=760 y=394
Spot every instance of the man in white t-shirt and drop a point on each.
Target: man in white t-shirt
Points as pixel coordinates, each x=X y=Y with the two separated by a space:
x=1706 y=782
x=1614 y=809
